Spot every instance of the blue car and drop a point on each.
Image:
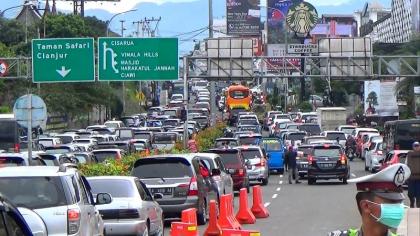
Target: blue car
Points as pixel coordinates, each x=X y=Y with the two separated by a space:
x=275 y=153
x=14 y=222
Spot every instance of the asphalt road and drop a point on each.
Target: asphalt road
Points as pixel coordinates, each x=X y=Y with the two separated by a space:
x=302 y=209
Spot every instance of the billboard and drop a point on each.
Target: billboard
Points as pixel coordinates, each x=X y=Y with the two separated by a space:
x=380 y=98
x=276 y=17
x=275 y=60
x=243 y=17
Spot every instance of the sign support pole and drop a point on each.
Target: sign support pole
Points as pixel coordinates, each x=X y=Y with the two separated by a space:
x=302 y=68
x=29 y=127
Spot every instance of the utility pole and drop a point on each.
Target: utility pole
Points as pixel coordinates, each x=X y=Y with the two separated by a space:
x=122 y=28
x=137 y=27
x=212 y=83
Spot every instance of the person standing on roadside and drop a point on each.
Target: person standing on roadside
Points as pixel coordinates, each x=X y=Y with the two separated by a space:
x=292 y=172
x=413 y=162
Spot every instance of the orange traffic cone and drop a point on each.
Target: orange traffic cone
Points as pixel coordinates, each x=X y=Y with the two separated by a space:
x=189 y=216
x=244 y=215
x=225 y=220
x=258 y=207
x=214 y=228
x=232 y=214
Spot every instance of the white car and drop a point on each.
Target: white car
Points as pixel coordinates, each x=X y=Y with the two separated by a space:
x=201 y=84
x=370 y=137
x=114 y=124
x=177 y=97
x=334 y=136
x=374 y=155
x=347 y=129
x=131 y=200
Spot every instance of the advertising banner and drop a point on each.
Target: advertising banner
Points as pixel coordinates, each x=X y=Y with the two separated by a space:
x=276 y=17
x=275 y=61
x=380 y=98
x=243 y=17
x=417 y=101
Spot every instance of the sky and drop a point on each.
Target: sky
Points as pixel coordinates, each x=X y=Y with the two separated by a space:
x=178 y=16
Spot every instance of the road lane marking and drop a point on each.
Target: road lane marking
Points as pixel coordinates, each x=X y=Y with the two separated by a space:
x=281 y=176
x=281 y=182
x=353 y=175
x=267 y=204
x=275 y=195
x=278 y=189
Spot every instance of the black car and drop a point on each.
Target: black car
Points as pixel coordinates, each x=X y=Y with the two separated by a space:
x=327 y=162
x=310 y=129
x=302 y=159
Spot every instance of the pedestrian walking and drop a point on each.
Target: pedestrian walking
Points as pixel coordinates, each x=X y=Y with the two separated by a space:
x=413 y=162
x=292 y=172
x=286 y=160
x=380 y=202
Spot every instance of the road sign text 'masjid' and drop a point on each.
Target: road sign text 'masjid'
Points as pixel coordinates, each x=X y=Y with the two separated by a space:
x=63 y=60
x=131 y=59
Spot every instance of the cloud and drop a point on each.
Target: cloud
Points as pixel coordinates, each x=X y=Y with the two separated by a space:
x=328 y=2
x=114 y=7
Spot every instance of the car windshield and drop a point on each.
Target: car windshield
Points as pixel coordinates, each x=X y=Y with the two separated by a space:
x=347 y=130
x=46 y=142
x=310 y=129
x=11 y=161
x=103 y=131
x=295 y=136
x=139 y=146
x=327 y=152
x=169 y=112
x=162 y=138
x=66 y=139
x=239 y=94
x=249 y=140
x=162 y=168
x=81 y=159
x=305 y=150
x=201 y=119
x=117 y=188
x=248 y=122
x=230 y=159
x=34 y=192
x=282 y=116
x=143 y=136
x=272 y=144
x=103 y=155
x=170 y=123
x=223 y=143
x=112 y=125
x=125 y=134
x=61 y=150
x=334 y=136
x=251 y=154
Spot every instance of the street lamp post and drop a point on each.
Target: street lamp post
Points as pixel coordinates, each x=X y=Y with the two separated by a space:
x=10 y=8
x=108 y=22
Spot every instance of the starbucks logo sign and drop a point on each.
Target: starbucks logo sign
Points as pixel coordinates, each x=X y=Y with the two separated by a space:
x=302 y=18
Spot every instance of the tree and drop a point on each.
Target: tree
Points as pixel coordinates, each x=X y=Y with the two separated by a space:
x=372 y=99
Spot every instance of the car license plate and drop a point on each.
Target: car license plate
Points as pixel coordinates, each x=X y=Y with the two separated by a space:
x=304 y=166
x=327 y=165
x=164 y=191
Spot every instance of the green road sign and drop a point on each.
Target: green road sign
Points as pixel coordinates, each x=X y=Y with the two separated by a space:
x=63 y=60
x=131 y=59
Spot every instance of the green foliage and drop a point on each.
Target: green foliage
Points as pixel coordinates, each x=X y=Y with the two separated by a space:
x=206 y=138
x=305 y=107
x=5 y=110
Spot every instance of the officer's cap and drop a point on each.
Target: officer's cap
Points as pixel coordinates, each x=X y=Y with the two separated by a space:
x=386 y=184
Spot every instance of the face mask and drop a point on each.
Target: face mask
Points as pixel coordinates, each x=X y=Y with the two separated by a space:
x=391 y=214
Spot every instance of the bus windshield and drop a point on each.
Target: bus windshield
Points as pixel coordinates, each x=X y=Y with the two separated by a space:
x=238 y=94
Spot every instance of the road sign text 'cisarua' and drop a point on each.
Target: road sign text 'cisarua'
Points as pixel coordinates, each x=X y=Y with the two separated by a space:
x=131 y=59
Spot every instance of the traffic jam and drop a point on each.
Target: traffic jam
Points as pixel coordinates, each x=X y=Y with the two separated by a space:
x=130 y=175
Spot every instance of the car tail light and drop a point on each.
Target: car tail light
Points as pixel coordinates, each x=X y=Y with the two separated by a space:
x=16 y=148
x=310 y=160
x=343 y=159
x=261 y=163
x=241 y=172
x=193 y=191
x=73 y=221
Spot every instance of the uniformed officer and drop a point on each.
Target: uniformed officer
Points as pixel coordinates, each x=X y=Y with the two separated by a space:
x=379 y=200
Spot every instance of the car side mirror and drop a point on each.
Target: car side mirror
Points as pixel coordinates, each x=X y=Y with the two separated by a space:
x=215 y=172
x=157 y=196
x=103 y=198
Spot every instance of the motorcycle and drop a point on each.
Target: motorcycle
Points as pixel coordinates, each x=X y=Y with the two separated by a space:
x=350 y=153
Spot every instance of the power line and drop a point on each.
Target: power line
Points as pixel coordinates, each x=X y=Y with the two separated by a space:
x=204 y=28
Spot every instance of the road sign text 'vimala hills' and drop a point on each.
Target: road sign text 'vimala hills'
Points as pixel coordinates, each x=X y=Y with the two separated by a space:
x=133 y=59
x=63 y=60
